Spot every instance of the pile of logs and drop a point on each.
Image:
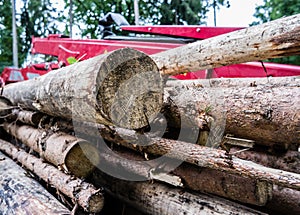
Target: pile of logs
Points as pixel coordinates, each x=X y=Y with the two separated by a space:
x=115 y=127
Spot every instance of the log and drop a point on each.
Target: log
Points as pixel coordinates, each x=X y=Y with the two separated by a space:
x=288 y=81
x=275 y=39
x=20 y=193
x=130 y=166
x=122 y=87
x=83 y=193
x=72 y=154
x=268 y=115
x=199 y=155
x=285 y=201
x=154 y=198
x=287 y=161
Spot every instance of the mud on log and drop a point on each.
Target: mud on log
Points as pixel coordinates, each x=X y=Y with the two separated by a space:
x=72 y=154
x=155 y=198
x=19 y=192
x=266 y=114
x=122 y=87
x=275 y=39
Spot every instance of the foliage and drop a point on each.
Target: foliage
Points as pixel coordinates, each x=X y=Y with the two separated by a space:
x=274 y=9
x=5 y=34
x=38 y=18
x=87 y=12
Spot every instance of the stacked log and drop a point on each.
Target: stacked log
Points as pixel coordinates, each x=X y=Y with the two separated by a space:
x=109 y=125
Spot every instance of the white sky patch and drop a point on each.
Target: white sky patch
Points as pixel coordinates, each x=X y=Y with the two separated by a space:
x=239 y=14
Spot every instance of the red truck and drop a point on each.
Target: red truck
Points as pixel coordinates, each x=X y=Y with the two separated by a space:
x=62 y=50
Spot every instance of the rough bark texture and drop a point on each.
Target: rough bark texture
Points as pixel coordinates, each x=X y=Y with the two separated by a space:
x=200 y=156
x=266 y=114
x=230 y=186
x=155 y=198
x=274 y=39
x=122 y=87
x=68 y=152
x=285 y=201
x=21 y=194
x=288 y=161
x=290 y=81
x=27 y=117
x=85 y=194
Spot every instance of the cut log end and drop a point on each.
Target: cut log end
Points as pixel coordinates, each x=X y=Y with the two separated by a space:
x=95 y=202
x=131 y=94
x=88 y=156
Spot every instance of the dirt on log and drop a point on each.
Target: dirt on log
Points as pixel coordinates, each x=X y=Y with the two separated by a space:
x=267 y=114
x=68 y=152
x=122 y=87
x=82 y=193
x=20 y=193
x=275 y=39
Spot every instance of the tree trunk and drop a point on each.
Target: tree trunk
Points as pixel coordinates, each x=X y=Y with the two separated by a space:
x=285 y=201
x=200 y=156
x=230 y=186
x=19 y=193
x=289 y=81
x=65 y=151
x=122 y=87
x=287 y=161
x=278 y=38
x=268 y=115
x=154 y=198
x=85 y=194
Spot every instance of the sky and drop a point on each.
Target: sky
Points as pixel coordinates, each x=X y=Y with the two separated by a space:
x=239 y=14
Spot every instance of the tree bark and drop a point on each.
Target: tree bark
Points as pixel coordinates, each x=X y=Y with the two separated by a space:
x=268 y=115
x=122 y=87
x=287 y=161
x=20 y=193
x=155 y=198
x=285 y=201
x=200 y=156
x=230 y=186
x=275 y=39
x=83 y=193
x=65 y=151
x=289 y=81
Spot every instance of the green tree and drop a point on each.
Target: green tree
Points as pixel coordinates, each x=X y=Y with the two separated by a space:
x=86 y=13
x=38 y=18
x=274 y=9
x=5 y=34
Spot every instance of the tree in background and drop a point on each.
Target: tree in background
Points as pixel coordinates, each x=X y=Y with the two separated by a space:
x=38 y=18
x=275 y=9
x=163 y=12
x=5 y=34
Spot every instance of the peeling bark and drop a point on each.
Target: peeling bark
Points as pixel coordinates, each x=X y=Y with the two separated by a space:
x=83 y=193
x=122 y=87
x=200 y=156
x=268 y=115
x=230 y=186
x=19 y=193
x=155 y=198
x=65 y=151
x=275 y=39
